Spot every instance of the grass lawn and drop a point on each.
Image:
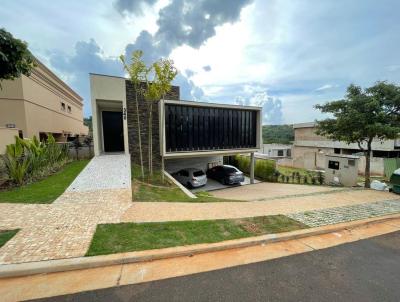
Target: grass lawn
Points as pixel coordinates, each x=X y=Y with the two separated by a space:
x=126 y=237
x=45 y=190
x=6 y=235
x=145 y=192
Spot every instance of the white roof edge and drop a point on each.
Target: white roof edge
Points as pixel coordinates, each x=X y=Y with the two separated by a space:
x=304 y=125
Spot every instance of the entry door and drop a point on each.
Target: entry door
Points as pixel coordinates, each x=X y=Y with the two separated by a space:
x=113 y=133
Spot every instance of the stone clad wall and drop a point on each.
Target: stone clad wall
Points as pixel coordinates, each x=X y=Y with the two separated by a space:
x=133 y=137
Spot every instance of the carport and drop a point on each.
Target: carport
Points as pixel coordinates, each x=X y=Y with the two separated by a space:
x=198 y=135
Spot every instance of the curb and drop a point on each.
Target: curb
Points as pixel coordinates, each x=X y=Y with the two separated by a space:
x=69 y=264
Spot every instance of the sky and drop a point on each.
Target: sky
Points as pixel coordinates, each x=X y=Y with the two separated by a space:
x=283 y=55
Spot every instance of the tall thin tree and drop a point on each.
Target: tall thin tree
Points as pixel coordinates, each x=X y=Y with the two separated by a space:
x=137 y=71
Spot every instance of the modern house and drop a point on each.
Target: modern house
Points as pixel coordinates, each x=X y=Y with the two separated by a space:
x=184 y=133
x=276 y=151
x=309 y=150
x=37 y=105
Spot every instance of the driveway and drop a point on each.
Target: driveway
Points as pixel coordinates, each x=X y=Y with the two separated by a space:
x=213 y=185
x=270 y=190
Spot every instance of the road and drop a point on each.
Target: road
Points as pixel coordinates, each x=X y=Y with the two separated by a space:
x=367 y=270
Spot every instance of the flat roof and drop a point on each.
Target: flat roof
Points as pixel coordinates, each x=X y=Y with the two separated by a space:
x=343 y=156
x=209 y=104
x=304 y=125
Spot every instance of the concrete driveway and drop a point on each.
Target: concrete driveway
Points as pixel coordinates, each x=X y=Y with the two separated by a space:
x=213 y=185
x=269 y=190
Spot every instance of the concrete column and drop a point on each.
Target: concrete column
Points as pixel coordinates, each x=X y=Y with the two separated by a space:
x=252 y=163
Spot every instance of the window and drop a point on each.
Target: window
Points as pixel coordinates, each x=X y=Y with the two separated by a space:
x=184 y=173
x=333 y=165
x=63 y=106
x=280 y=152
x=288 y=152
x=69 y=109
x=337 y=150
x=198 y=173
x=352 y=162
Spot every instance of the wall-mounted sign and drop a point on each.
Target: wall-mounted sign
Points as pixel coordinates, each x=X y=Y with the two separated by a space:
x=124 y=114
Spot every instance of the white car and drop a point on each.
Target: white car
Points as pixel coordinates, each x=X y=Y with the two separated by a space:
x=191 y=177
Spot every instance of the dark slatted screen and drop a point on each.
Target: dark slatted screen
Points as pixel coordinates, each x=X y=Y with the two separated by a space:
x=192 y=128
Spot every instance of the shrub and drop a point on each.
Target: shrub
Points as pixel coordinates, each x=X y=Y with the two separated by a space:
x=264 y=168
x=29 y=159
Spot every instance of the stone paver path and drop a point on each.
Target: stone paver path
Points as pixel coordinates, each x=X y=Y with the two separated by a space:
x=349 y=213
x=65 y=228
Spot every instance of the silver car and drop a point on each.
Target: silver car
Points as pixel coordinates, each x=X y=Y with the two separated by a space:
x=191 y=177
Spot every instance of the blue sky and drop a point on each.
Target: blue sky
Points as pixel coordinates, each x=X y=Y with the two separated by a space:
x=284 y=55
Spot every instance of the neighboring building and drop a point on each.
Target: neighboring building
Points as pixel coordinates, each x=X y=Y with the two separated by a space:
x=277 y=151
x=309 y=150
x=185 y=133
x=40 y=104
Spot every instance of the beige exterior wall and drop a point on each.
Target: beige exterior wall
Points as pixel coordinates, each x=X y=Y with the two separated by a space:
x=7 y=136
x=107 y=93
x=33 y=104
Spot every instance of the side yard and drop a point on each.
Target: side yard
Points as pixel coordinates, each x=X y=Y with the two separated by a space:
x=45 y=190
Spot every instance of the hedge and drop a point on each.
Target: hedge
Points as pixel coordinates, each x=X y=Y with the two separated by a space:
x=264 y=168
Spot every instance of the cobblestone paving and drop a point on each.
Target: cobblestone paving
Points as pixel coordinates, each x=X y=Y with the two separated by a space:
x=348 y=213
x=64 y=228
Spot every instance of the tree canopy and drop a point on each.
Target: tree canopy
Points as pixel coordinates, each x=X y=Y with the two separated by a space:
x=278 y=134
x=362 y=116
x=15 y=58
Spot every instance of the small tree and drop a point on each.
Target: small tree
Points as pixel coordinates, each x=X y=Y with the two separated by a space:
x=15 y=58
x=362 y=116
x=138 y=72
x=164 y=74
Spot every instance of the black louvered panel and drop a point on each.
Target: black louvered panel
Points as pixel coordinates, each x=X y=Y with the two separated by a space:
x=193 y=128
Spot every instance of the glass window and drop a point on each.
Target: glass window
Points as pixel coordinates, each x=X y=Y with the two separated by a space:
x=69 y=109
x=280 y=152
x=184 y=173
x=333 y=165
x=63 y=106
x=198 y=173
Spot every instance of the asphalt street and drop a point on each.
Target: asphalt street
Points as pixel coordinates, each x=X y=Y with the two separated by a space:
x=366 y=270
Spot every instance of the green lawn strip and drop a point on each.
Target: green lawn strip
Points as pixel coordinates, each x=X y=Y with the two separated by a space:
x=145 y=192
x=127 y=237
x=6 y=235
x=45 y=190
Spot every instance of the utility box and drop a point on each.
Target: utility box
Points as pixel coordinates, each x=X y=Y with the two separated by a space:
x=341 y=169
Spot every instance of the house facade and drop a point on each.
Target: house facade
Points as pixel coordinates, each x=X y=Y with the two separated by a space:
x=309 y=150
x=38 y=105
x=184 y=133
x=276 y=151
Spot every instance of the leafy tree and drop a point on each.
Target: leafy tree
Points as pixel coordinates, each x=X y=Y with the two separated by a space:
x=138 y=72
x=277 y=134
x=164 y=73
x=15 y=58
x=87 y=121
x=362 y=116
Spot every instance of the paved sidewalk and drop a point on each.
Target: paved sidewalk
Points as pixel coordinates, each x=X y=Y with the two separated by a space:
x=348 y=213
x=172 y=211
x=64 y=229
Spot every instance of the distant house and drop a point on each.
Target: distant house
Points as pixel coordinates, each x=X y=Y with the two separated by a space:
x=185 y=133
x=37 y=105
x=276 y=151
x=309 y=150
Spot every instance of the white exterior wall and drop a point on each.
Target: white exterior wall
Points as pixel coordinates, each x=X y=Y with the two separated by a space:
x=111 y=90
